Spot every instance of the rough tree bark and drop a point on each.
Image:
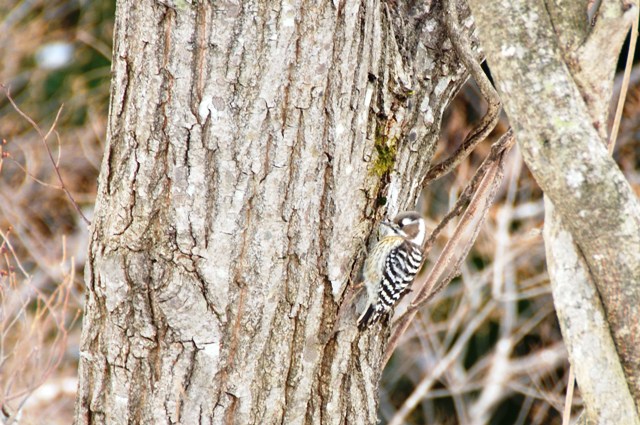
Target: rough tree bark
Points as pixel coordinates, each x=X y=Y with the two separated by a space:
x=555 y=75
x=251 y=146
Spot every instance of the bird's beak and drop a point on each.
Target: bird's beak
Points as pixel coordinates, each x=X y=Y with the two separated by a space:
x=387 y=223
x=392 y=226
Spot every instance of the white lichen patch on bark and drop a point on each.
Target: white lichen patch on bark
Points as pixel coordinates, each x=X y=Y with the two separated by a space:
x=575 y=179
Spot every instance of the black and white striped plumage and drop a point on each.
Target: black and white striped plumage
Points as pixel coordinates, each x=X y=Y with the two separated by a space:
x=392 y=265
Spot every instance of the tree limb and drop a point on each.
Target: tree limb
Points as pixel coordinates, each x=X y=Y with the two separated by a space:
x=584 y=328
x=567 y=157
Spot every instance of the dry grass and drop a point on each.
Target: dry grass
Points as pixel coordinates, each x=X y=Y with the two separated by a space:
x=35 y=320
x=486 y=350
x=43 y=239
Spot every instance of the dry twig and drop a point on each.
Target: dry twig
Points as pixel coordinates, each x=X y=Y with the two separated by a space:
x=483 y=128
x=43 y=138
x=625 y=87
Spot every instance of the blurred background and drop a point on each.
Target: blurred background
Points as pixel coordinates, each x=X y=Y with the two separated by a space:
x=55 y=52
x=487 y=350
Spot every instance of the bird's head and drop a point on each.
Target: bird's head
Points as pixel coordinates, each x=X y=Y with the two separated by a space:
x=410 y=225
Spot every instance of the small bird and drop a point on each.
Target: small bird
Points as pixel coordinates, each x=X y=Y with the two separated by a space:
x=392 y=265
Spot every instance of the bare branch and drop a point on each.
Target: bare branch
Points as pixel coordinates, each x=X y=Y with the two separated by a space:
x=496 y=150
x=429 y=379
x=462 y=46
x=491 y=172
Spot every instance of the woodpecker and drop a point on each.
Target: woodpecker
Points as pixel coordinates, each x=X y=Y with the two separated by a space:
x=393 y=263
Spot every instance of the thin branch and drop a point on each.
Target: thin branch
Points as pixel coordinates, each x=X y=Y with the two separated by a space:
x=462 y=47
x=625 y=87
x=491 y=172
x=496 y=150
x=43 y=138
x=568 y=401
x=6 y=243
x=30 y=175
x=480 y=202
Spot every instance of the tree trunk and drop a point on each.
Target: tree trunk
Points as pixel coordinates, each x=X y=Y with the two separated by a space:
x=251 y=148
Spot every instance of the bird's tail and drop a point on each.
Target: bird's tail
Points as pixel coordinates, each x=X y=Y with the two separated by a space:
x=370 y=316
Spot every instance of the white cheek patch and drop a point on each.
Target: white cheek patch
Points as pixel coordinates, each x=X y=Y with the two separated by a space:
x=422 y=233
